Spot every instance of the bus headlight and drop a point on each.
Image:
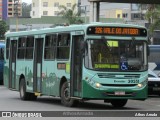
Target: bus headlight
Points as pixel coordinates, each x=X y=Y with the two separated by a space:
x=98 y=85
x=140 y=85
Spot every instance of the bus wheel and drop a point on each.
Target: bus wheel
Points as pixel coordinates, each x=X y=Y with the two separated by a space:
x=23 y=94
x=119 y=103
x=65 y=97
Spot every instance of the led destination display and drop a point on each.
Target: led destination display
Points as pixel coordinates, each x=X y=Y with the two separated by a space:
x=121 y=31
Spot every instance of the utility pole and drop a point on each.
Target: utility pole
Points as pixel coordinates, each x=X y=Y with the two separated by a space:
x=16 y=4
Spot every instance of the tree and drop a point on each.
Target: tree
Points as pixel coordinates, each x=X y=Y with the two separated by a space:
x=72 y=15
x=3 y=29
x=26 y=8
x=152 y=15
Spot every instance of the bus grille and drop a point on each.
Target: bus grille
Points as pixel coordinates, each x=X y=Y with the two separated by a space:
x=118 y=76
x=119 y=85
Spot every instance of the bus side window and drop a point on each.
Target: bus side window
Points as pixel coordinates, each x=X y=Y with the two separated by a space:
x=50 y=43
x=29 y=47
x=63 y=46
x=21 y=47
x=2 y=54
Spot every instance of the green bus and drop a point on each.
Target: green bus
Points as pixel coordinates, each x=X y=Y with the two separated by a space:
x=97 y=61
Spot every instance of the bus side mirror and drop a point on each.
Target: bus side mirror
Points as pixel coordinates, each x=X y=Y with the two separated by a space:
x=148 y=51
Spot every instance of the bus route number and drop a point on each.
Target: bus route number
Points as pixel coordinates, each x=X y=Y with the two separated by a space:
x=133 y=81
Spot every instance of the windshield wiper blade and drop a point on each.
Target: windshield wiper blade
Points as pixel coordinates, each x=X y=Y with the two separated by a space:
x=132 y=43
x=107 y=46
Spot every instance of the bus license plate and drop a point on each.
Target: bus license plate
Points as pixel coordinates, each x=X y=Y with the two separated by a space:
x=119 y=93
x=156 y=88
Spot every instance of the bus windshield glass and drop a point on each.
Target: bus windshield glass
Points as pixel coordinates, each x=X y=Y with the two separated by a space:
x=122 y=55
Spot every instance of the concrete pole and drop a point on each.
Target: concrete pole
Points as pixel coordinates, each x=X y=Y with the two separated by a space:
x=97 y=11
x=91 y=12
x=94 y=11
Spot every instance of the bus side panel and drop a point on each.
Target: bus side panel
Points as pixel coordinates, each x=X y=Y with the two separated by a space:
x=19 y=71
x=50 y=83
x=29 y=75
x=52 y=76
x=25 y=68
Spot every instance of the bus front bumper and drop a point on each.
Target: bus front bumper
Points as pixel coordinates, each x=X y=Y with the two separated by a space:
x=90 y=92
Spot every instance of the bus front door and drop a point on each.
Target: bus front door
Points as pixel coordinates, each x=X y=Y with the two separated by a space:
x=37 y=67
x=12 y=64
x=76 y=67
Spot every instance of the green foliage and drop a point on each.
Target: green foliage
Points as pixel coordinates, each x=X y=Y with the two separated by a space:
x=3 y=29
x=26 y=8
x=153 y=16
x=70 y=14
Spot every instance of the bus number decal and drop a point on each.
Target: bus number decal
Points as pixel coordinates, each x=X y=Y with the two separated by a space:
x=133 y=81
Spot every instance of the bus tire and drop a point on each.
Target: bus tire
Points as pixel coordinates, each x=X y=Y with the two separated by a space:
x=65 y=98
x=119 y=102
x=22 y=90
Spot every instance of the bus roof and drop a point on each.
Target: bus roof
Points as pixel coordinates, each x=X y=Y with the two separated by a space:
x=67 y=28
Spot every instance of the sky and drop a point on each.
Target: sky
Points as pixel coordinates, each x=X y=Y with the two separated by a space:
x=27 y=1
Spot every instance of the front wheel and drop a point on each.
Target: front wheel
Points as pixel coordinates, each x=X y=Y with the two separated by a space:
x=119 y=103
x=65 y=96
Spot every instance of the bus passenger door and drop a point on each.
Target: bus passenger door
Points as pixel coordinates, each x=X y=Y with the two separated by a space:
x=37 y=67
x=76 y=67
x=12 y=64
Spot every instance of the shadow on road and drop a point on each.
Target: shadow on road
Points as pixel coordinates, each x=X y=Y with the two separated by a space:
x=88 y=105
x=153 y=96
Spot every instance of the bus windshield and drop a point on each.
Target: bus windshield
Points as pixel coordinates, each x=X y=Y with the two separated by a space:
x=121 y=55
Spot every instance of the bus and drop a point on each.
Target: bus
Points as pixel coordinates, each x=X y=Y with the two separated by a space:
x=2 y=45
x=96 y=61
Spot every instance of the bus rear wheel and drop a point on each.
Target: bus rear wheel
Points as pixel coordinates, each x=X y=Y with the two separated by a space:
x=65 y=96
x=119 y=103
x=25 y=95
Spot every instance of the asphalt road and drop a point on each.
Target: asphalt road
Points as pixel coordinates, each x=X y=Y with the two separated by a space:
x=10 y=101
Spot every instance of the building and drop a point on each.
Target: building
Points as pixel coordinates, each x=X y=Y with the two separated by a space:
x=10 y=8
x=14 y=8
x=130 y=13
x=49 y=7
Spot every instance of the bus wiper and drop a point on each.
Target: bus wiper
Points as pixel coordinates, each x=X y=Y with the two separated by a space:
x=107 y=46
x=132 y=43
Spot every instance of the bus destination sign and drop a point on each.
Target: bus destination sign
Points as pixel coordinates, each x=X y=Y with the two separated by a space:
x=120 y=31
